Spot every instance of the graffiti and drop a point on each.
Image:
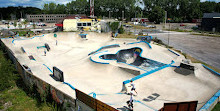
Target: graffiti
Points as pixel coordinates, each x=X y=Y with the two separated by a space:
x=69 y=104
x=41 y=86
x=56 y=95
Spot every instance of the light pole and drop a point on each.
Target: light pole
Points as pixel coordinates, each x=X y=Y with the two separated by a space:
x=21 y=13
x=141 y=14
x=165 y=19
x=109 y=14
x=122 y=15
x=135 y=14
x=169 y=35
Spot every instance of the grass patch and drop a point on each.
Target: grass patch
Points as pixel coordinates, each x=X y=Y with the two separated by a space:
x=196 y=32
x=217 y=107
x=24 y=33
x=127 y=36
x=179 y=30
x=13 y=93
x=206 y=34
x=16 y=99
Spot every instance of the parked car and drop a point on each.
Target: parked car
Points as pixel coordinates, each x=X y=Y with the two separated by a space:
x=182 y=25
x=145 y=25
x=41 y=24
x=151 y=26
x=127 y=26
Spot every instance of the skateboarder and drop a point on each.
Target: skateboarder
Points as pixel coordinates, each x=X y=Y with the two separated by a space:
x=45 y=52
x=130 y=102
x=132 y=86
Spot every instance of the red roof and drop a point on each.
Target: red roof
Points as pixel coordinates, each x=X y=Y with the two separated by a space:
x=59 y=25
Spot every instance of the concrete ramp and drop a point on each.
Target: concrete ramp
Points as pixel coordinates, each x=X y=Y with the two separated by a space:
x=133 y=57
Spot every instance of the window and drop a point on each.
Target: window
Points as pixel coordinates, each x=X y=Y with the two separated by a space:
x=88 y=24
x=84 y=24
x=79 y=24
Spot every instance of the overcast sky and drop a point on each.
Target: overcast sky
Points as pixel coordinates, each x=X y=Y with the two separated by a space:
x=39 y=3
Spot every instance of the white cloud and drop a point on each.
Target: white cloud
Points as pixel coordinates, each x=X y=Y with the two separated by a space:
x=20 y=1
x=10 y=4
x=41 y=3
x=210 y=0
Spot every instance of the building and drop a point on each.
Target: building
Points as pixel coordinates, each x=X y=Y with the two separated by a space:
x=76 y=24
x=49 y=18
x=211 y=22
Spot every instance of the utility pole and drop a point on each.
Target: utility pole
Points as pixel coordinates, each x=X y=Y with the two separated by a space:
x=135 y=14
x=109 y=14
x=141 y=14
x=169 y=35
x=165 y=19
x=92 y=8
x=122 y=15
x=21 y=13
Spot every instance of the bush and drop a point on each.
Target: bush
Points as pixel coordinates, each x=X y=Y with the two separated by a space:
x=7 y=73
x=195 y=28
x=121 y=30
x=114 y=26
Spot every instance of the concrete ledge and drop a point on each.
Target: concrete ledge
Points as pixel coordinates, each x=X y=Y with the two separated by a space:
x=173 y=52
x=141 y=42
x=211 y=70
x=211 y=103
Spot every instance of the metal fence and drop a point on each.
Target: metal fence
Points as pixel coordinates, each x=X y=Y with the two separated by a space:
x=182 y=106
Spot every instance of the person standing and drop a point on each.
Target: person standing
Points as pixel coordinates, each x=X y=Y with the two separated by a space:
x=130 y=102
x=45 y=52
x=133 y=87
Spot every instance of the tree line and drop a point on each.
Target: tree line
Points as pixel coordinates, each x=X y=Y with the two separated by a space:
x=177 y=10
x=154 y=10
x=7 y=13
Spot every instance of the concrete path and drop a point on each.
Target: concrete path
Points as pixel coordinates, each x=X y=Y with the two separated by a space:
x=203 y=48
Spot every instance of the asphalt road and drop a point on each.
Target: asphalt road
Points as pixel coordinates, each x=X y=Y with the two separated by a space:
x=203 y=48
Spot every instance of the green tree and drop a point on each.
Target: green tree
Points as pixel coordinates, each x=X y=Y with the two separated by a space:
x=8 y=26
x=15 y=24
x=194 y=10
x=20 y=25
x=121 y=30
x=157 y=14
x=207 y=7
x=52 y=7
x=114 y=26
x=60 y=9
x=78 y=7
x=25 y=23
x=46 y=8
x=34 y=25
x=217 y=8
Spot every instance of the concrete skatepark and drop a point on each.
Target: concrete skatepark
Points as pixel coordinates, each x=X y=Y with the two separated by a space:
x=94 y=67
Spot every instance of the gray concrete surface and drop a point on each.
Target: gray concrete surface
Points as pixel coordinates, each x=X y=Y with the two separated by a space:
x=203 y=48
x=88 y=75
